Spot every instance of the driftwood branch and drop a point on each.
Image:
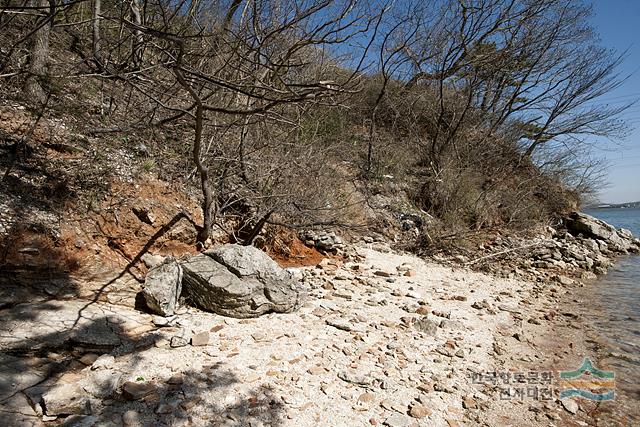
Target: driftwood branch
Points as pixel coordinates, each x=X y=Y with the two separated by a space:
x=501 y=253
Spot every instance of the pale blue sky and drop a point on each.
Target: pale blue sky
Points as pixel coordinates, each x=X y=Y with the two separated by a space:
x=618 y=22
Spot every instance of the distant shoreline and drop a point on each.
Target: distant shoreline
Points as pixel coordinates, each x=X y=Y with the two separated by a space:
x=630 y=205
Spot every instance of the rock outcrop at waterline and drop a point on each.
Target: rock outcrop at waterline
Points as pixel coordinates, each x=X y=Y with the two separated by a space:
x=617 y=240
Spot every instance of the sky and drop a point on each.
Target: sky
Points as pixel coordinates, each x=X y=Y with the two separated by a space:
x=618 y=23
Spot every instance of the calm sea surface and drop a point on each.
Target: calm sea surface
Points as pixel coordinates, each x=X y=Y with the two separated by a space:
x=617 y=297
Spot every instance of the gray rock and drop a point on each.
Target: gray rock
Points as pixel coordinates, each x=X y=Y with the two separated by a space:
x=426 y=326
x=452 y=325
x=102 y=383
x=570 y=405
x=564 y=280
x=131 y=418
x=354 y=378
x=66 y=399
x=151 y=260
x=178 y=342
x=343 y=325
x=200 y=339
x=239 y=281
x=397 y=420
x=162 y=287
x=137 y=390
x=104 y=361
x=162 y=321
x=81 y=421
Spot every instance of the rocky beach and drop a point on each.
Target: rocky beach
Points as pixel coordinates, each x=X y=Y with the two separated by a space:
x=369 y=336
x=288 y=213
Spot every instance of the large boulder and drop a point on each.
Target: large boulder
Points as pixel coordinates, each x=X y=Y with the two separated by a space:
x=239 y=281
x=588 y=226
x=162 y=287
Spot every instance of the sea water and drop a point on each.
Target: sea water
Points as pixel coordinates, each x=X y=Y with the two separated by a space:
x=616 y=299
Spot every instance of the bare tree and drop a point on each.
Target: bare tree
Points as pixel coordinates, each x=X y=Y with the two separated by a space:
x=39 y=51
x=233 y=69
x=533 y=64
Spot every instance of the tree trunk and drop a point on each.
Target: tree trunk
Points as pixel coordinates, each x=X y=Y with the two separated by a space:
x=255 y=231
x=207 y=191
x=39 y=56
x=97 y=54
x=138 y=40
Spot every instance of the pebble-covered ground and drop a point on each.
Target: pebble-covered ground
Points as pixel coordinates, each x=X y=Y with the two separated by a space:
x=383 y=339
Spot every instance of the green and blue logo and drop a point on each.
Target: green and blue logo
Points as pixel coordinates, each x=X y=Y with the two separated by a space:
x=587 y=382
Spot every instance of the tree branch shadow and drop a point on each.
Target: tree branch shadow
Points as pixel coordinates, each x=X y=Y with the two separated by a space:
x=33 y=367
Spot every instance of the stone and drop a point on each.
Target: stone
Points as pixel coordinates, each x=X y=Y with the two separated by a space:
x=259 y=336
x=81 y=421
x=396 y=420
x=88 y=359
x=480 y=305
x=178 y=342
x=66 y=399
x=381 y=273
x=423 y=310
x=104 y=361
x=366 y=397
x=151 y=260
x=176 y=380
x=324 y=241
x=164 y=408
x=161 y=321
x=316 y=370
x=452 y=325
x=419 y=411
x=239 y=281
x=414 y=294
x=469 y=403
x=144 y=214
x=570 y=405
x=426 y=326
x=404 y=267
x=519 y=336
x=200 y=339
x=137 y=390
x=101 y=383
x=131 y=418
x=162 y=287
x=387 y=404
x=564 y=280
x=341 y=324
x=354 y=378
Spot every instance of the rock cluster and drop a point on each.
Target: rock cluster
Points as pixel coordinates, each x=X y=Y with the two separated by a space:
x=584 y=247
x=326 y=242
x=616 y=240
